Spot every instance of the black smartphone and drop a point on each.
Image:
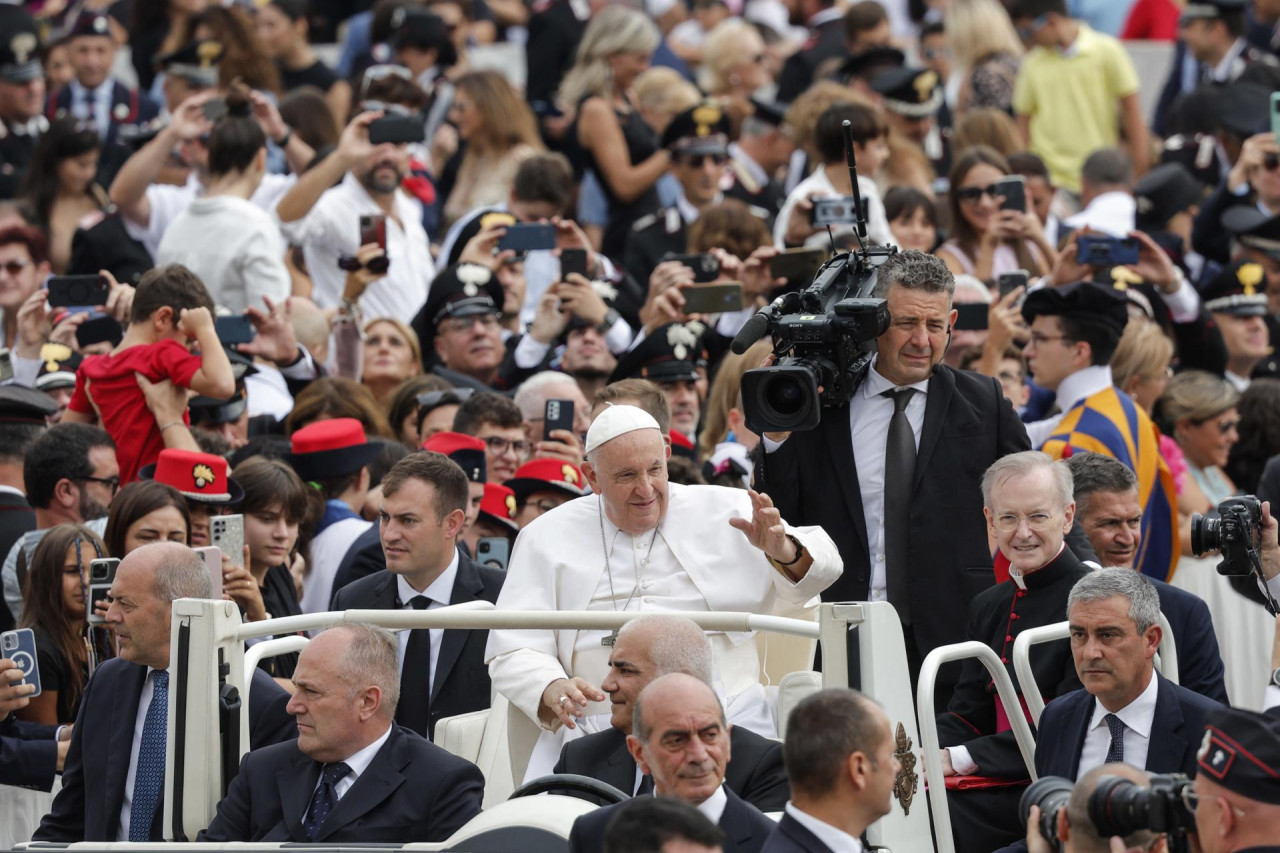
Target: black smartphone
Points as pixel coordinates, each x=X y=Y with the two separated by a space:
x=398 y=129
x=67 y=291
x=528 y=237
x=713 y=298
x=1009 y=281
x=797 y=265
x=705 y=266
x=234 y=330
x=1106 y=251
x=573 y=261
x=99 y=329
x=971 y=316
x=557 y=414
x=493 y=551
x=373 y=229
x=1014 y=191
x=102 y=573
x=214 y=109
x=836 y=211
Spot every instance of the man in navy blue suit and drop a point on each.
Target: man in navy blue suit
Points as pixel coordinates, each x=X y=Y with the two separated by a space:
x=1107 y=508
x=680 y=738
x=113 y=782
x=30 y=753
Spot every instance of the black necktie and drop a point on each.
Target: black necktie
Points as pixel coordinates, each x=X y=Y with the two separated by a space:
x=324 y=799
x=1115 y=752
x=414 y=710
x=899 y=474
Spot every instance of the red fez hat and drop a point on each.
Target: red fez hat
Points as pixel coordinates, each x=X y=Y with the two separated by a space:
x=499 y=504
x=326 y=450
x=540 y=475
x=201 y=477
x=466 y=450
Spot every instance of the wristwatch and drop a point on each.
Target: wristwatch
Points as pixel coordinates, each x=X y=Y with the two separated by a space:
x=1275 y=678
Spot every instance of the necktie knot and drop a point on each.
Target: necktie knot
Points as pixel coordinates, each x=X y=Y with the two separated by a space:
x=900 y=396
x=420 y=602
x=334 y=773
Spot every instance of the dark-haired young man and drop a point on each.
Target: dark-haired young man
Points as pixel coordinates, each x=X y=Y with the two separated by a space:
x=497 y=421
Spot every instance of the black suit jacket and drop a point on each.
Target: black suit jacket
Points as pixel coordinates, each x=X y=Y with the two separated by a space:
x=790 y=836
x=461 y=681
x=754 y=772
x=93 y=778
x=364 y=557
x=28 y=754
x=968 y=424
x=826 y=41
x=1199 y=664
x=16 y=518
x=1175 y=732
x=411 y=791
x=130 y=110
x=745 y=828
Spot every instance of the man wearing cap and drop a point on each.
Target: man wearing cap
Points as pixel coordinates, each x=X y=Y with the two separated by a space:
x=825 y=20
x=1166 y=201
x=21 y=96
x=644 y=544
x=673 y=357
x=912 y=98
x=763 y=147
x=1237 y=300
x=95 y=97
x=1074 y=332
x=1213 y=31
x=459 y=324
x=1237 y=789
x=201 y=478
x=227 y=418
x=442 y=672
x=57 y=376
x=188 y=70
x=541 y=485
x=332 y=456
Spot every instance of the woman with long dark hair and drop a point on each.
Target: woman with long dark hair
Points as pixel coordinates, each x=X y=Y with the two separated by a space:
x=54 y=609
x=282 y=29
x=60 y=186
x=144 y=512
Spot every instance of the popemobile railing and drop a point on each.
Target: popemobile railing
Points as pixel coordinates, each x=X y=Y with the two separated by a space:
x=210 y=668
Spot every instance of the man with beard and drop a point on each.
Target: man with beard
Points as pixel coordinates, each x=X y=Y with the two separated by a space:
x=324 y=220
x=71 y=475
x=21 y=97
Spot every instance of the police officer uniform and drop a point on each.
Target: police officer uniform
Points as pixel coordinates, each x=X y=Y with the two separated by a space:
x=196 y=62
x=19 y=64
x=1239 y=751
x=1240 y=56
x=916 y=93
x=1159 y=195
x=1241 y=289
x=826 y=41
x=670 y=353
x=129 y=113
x=746 y=180
x=18 y=405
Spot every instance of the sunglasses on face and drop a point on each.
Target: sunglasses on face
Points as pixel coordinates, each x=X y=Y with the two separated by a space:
x=377 y=266
x=15 y=266
x=971 y=195
x=697 y=161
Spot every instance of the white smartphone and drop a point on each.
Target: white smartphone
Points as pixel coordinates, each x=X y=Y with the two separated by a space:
x=226 y=532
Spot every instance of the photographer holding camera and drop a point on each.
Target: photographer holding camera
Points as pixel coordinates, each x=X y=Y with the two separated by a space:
x=1061 y=820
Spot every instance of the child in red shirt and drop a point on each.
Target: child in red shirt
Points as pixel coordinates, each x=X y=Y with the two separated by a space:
x=170 y=308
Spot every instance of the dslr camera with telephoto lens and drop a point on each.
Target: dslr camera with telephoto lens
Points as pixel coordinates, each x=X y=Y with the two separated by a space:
x=1234 y=530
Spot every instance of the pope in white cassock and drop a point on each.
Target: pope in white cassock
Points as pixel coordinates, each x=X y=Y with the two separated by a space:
x=639 y=543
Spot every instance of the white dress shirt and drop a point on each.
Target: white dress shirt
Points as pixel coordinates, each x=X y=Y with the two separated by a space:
x=713 y=806
x=818 y=183
x=1111 y=213
x=837 y=840
x=359 y=762
x=1076 y=387
x=332 y=229
x=440 y=591
x=1137 y=717
x=168 y=201
x=144 y=704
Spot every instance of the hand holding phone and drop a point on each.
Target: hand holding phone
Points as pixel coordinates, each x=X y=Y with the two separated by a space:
x=573 y=261
x=712 y=298
x=19 y=647
x=102 y=573
x=78 y=291
x=558 y=414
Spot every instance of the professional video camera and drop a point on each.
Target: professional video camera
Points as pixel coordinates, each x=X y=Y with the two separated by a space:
x=822 y=335
x=1236 y=531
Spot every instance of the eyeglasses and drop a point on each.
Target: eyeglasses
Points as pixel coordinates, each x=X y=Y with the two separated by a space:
x=15 y=266
x=1038 y=522
x=498 y=445
x=465 y=324
x=697 y=161
x=1039 y=339
x=454 y=396
x=112 y=483
x=971 y=195
x=1224 y=427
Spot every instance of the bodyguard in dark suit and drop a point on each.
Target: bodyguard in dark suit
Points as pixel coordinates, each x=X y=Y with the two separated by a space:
x=646 y=648
x=424 y=499
x=352 y=775
x=681 y=739
x=30 y=753
x=110 y=791
x=952 y=425
x=842 y=765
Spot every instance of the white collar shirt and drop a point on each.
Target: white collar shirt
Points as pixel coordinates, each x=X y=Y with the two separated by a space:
x=332 y=229
x=1240 y=383
x=1076 y=387
x=358 y=762
x=83 y=98
x=1138 y=718
x=440 y=591
x=869 y=416
x=144 y=704
x=837 y=840
x=712 y=807
x=167 y=201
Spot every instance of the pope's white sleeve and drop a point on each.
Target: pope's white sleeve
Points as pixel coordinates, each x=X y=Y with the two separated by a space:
x=522 y=675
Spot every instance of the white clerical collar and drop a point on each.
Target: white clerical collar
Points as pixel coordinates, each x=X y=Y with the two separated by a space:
x=836 y=839
x=1083 y=383
x=361 y=759
x=875 y=383
x=439 y=590
x=1020 y=579
x=688 y=212
x=713 y=806
x=1138 y=715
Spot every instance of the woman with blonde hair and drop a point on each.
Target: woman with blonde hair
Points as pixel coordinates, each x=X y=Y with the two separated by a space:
x=499 y=132
x=392 y=354
x=661 y=94
x=987 y=53
x=723 y=421
x=1140 y=364
x=734 y=61
x=607 y=134
x=990 y=127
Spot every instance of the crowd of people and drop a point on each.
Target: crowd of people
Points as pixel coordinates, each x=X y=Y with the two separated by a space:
x=373 y=321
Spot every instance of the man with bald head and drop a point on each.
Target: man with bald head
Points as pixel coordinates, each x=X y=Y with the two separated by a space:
x=113 y=781
x=352 y=775
x=1076 y=830
x=647 y=648
x=679 y=736
x=639 y=543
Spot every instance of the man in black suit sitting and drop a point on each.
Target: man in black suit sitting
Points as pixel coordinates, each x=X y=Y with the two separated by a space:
x=113 y=781
x=680 y=738
x=649 y=647
x=352 y=775
x=841 y=762
x=1108 y=510
x=424 y=501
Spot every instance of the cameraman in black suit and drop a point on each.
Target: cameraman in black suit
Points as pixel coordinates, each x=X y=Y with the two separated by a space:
x=906 y=513
x=442 y=672
x=648 y=647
